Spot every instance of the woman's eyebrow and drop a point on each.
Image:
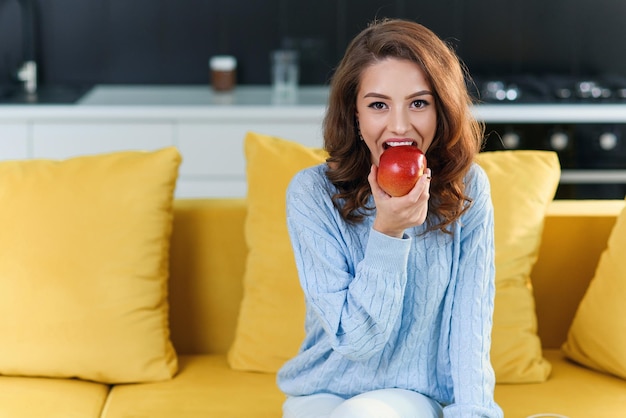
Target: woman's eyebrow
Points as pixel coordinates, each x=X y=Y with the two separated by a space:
x=410 y=96
x=420 y=93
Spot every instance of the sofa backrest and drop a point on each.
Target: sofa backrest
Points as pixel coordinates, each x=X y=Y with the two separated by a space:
x=208 y=255
x=208 y=258
x=574 y=236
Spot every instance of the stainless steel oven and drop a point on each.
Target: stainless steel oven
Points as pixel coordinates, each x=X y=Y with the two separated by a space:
x=583 y=121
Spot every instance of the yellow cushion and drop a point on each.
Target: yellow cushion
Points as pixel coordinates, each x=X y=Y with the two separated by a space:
x=205 y=387
x=271 y=319
x=597 y=336
x=523 y=184
x=84 y=266
x=28 y=397
x=571 y=391
x=270 y=327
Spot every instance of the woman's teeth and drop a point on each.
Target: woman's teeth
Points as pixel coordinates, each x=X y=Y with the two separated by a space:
x=397 y=144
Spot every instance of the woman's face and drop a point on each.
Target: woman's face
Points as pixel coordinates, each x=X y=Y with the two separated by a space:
x=395 y=106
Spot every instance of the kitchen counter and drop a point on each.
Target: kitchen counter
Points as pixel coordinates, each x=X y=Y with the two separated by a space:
x=208 y=128
x=187 y=103
x=194 y=102
x=198 y=95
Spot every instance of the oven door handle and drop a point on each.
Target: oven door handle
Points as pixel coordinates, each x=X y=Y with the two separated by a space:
x=593 y=176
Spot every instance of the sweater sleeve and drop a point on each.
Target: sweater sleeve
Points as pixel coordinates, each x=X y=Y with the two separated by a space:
x=355 y=293
x=472 y=310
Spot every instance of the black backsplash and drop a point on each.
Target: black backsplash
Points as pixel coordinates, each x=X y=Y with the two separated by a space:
x=170 y=41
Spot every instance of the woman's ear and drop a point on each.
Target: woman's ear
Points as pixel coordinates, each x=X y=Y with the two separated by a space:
x=358 y=128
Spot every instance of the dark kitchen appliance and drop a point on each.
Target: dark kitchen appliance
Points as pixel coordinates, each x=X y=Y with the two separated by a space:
x=582 y=119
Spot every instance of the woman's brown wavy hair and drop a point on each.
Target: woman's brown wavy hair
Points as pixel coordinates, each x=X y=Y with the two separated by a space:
x=458 y=136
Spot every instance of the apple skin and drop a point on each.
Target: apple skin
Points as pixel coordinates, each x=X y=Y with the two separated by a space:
x=399 y=169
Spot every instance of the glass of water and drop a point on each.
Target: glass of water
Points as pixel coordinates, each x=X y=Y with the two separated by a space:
x=285 y=71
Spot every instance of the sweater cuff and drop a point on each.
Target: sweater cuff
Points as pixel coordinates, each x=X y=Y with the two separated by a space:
x=387 y=253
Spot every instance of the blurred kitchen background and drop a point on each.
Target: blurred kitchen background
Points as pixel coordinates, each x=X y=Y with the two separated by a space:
x=537 y=52
x=170 y=41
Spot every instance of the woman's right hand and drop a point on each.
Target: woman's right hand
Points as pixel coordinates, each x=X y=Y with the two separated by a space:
x=396 y=214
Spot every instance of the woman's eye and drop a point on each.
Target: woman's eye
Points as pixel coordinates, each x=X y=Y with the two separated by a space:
x=377 y=105
x=420 y=103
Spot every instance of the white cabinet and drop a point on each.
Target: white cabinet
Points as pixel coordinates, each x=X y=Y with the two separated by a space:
x=69 y=139
x=212 y=150
x=217 y=149
x=213 y=160
x=209 y=134
x=14 y=141
x=213 y=153
x=307 y=133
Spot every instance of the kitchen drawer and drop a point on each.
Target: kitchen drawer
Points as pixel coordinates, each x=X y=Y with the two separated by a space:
x=64 y=140
x=13 y=141
x=211 y=149
x=188 y=188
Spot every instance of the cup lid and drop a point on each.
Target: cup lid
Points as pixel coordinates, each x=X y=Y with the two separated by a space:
x=223 y=63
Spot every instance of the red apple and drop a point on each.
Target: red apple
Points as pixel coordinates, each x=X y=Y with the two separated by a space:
x=399 y=169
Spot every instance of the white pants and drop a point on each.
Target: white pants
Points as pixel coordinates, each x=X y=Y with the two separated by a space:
x=384 y=403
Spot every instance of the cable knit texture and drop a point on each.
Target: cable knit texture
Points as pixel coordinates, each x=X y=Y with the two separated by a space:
x=412 y=313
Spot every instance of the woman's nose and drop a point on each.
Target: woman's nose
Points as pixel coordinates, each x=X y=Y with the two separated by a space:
x=399 y=122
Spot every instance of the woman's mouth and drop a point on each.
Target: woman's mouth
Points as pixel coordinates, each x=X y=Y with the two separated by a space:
x=389 y=144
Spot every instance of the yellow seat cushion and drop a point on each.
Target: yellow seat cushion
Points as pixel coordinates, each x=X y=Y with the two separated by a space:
x=271 y=319
x=84 y=266
x=571 y=390
x=205 y=387
x=597 y=336
x=28 y=397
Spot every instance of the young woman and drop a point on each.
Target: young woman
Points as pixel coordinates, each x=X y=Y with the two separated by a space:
x=399 y=290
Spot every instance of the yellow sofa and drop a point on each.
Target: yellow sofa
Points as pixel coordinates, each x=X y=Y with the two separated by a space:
x=207 y=265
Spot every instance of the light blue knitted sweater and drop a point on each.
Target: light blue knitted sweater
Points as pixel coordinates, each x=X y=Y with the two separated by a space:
x=412 y=313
